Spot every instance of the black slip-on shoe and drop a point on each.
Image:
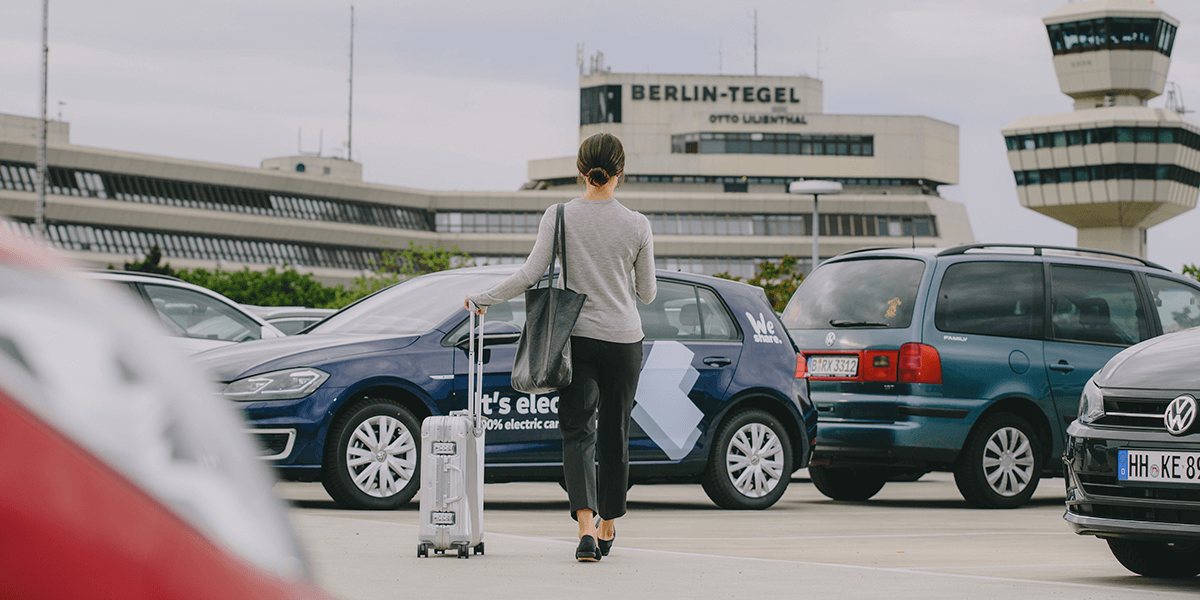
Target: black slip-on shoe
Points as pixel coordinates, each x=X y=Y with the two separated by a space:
x=606 y=545
x=587 y=551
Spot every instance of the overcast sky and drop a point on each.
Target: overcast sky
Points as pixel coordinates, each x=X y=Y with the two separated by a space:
x=459 y=95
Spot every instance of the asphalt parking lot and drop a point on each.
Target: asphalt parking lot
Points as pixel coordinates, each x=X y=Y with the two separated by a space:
x=913 y=540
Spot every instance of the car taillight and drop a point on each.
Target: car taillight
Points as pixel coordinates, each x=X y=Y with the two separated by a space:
x=879 y=365
x=801 y=366
x=919 y=363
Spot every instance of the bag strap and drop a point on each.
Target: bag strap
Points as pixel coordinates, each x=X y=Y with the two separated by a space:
x=560 y=245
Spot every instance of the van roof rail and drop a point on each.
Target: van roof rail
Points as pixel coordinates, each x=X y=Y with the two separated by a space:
x=1037 y=251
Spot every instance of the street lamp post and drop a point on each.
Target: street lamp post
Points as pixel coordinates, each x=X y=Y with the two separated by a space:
x=816 y=187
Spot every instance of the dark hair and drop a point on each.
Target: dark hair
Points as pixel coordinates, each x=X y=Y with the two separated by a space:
x=601 y=157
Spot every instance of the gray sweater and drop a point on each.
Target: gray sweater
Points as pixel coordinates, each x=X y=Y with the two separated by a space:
x=610 y=255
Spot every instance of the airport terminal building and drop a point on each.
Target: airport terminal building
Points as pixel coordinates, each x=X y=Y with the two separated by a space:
x=709 y=159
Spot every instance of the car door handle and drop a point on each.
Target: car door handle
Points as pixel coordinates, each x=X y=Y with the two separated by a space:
x=1062 y=367
x=717 y=361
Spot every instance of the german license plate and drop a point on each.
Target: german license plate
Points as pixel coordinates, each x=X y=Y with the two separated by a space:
x=833 y=366
x=1153 y=465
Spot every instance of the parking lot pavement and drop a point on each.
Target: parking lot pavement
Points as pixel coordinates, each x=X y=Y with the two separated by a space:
x=913 y=540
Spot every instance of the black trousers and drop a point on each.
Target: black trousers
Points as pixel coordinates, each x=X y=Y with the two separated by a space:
x=593 y=417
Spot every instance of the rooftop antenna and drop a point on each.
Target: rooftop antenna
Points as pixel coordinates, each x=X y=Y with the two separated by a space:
x=579 y=62
x=39 y=213
x=1175 y=99
x=720 y=56
x=818 y=57
x=350 y=116
x=60 y=105
x=756 y=42
x=299 y=140
x=320 y=141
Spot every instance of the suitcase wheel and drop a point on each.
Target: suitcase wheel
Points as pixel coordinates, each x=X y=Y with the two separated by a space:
x=423 y=550
x=479 y=548
x=464 y=551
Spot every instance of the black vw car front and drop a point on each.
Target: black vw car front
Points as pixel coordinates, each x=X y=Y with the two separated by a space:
x=1133 y=458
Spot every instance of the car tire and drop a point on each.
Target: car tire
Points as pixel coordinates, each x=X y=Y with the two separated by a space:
x=360 y=470
x=1000 y=464
x=848 y=484
x=751 y=462
x=1157 y=559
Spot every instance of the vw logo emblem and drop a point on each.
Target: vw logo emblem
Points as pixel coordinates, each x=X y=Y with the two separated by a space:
x=1180 y=415
x=830 y=338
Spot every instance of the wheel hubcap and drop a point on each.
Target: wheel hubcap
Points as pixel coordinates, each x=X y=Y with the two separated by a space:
x=1008 y=461
x=381 y=456
x=754 y=460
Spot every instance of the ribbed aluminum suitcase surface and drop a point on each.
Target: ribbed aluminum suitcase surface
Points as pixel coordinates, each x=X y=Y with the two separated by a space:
x=452 y=470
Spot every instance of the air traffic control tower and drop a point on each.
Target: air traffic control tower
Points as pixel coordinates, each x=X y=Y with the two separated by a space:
x=1113 y=167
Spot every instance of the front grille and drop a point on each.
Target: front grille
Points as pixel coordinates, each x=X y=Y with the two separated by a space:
x=1144 y=412
x=1110 y=500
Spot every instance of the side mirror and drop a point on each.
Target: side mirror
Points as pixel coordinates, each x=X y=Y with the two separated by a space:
x=495 y=332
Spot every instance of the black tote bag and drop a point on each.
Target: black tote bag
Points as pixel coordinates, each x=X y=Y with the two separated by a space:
x=543 y=362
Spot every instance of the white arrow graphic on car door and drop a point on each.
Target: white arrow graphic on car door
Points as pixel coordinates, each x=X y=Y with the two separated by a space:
x=663 y=408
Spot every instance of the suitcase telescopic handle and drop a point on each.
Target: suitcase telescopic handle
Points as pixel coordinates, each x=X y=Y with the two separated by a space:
x=475 y=370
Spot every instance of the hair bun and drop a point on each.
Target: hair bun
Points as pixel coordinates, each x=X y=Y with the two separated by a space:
x=598 y=176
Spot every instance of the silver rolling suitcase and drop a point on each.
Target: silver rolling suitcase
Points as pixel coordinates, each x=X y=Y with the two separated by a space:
x=452 y=467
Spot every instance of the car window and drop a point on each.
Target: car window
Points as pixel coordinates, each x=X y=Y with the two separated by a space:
x=292 y=326
x=879 y=292
x=714 y=319
x=684 y=312
x=512 y=311
x=412 y=307
x=1096 y=305
x=1178 y=304
x=992 y=298
x=196 y=315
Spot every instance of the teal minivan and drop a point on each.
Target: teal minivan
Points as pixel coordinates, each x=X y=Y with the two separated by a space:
x=970 y=359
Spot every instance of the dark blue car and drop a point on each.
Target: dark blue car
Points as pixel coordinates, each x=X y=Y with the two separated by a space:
x=718 y=401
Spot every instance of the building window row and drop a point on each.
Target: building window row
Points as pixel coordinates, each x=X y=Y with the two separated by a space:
x=1108 y=172
x=165 y=192
x=488 y=222
x=1104 y=135
x=711 y=224
x=1112 y=33
x=884 y=182
x=792 y=225
x=773 y=143
x=138 y=242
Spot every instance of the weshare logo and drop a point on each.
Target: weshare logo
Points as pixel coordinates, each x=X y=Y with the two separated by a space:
x=764 y=330
x=663 y=408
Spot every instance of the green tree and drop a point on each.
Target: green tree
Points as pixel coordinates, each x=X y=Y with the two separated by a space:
x=778 y=279
x=268 y=288
x=150 y=264
x=418 y=259
x=1192 y=271
x=288 y=287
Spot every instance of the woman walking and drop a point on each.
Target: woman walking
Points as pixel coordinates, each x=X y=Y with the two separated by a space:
x=611 y=260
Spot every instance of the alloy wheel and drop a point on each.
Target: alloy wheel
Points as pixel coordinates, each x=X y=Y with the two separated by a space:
x=754 y=460
x=381 y=456
x=1008 y=461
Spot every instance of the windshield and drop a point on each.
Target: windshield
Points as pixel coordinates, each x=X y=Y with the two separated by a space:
x=877 y=293
x=413 y=307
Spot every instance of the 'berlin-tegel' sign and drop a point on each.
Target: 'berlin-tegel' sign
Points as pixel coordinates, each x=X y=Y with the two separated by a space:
x=707 y=93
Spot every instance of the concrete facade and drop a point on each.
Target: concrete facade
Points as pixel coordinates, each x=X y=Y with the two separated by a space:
x=712 y=212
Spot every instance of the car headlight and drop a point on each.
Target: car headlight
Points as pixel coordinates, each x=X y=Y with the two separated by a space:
x=287 y=384
x=1091 y=404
